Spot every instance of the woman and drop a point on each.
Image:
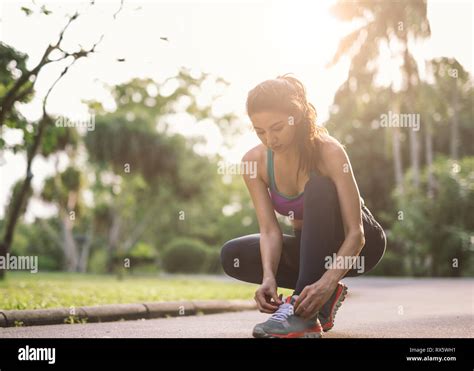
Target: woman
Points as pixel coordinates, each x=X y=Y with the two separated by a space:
x=303 y=173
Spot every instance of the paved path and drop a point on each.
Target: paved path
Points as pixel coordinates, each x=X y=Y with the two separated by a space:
x=374 y=307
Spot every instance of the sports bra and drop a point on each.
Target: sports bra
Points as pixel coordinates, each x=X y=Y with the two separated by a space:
x=284 y=205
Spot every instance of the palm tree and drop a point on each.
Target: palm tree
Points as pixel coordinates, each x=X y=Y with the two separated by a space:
x=452 y=81
x=394 y=23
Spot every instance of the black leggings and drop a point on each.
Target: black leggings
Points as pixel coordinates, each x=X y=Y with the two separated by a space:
x=302 y=261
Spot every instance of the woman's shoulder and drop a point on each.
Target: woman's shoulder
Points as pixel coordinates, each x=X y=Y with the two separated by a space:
x=329 y=149
x=255 y=153
x=259 y=155
x=327 y=142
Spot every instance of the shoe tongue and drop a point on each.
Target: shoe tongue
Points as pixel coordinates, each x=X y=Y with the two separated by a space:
x=291 y=299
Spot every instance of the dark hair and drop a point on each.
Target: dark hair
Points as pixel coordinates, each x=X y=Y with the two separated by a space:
x=287 y=94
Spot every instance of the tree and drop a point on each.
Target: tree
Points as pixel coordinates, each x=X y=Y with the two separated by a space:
x=143 y=170
x=65 y=191
x=436 y=230
x=19 y=90
x=393 y=23
x=452 y=86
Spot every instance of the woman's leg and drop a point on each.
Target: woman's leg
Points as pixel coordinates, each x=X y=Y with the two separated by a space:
x=375 y=243
x=323 y=232
x=241 y=259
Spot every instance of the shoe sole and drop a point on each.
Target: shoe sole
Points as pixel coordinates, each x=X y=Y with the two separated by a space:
x=343 y=292
x=315 y=333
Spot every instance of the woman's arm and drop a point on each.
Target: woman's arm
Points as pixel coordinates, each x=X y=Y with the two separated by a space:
x=270 y=250
x=339 y=170
x=271 y=239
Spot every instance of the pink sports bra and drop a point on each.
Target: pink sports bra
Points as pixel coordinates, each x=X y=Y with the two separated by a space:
x=284 y=205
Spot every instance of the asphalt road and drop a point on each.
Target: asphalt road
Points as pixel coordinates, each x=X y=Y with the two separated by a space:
x=374 y=308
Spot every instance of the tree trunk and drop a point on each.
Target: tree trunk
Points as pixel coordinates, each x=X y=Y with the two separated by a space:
x=69 y=244
x=114 y=234
x=429 y=159
x=21 y=198
x=84 y=256
x=411 y=71
x=415 y=157
x=454 y=142
x=397 y=156
x=414 y=139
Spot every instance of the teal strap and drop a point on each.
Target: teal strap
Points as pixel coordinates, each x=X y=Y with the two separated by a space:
x=270 y=168
x=271 y=176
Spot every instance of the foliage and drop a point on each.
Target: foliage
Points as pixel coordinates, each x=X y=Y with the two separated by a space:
x=184 y=255
x=436 y=229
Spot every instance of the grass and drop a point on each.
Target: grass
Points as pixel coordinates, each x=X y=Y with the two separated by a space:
x=23 y=290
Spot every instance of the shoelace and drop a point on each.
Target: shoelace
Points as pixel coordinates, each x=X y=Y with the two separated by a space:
x=282 y=313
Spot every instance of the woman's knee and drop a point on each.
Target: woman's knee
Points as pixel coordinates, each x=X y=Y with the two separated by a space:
x=228 y=256
x=381 y=247
x=372 y=253
x=240 y=258
x=375 y=237
x=233 y=252
x=321 y=187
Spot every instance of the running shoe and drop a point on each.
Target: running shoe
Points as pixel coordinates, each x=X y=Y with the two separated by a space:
x=285 y=324
x=328 y=311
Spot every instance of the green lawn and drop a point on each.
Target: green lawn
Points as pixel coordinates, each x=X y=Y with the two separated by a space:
x=51 y=290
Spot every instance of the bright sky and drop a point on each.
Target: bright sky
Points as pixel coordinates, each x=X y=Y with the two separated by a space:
x=245 y=42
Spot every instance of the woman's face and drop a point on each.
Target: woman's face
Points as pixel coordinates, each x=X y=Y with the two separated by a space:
x=276 y=130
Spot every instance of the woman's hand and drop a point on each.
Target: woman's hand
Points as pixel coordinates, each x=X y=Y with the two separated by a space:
x=313 y=297
x=265 y=294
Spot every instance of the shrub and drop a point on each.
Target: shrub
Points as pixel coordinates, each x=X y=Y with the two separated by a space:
x=185 y=255
x=436 y=229
x=213 y=262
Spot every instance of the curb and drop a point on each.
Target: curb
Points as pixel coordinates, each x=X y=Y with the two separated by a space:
x=117 y=312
